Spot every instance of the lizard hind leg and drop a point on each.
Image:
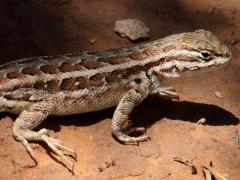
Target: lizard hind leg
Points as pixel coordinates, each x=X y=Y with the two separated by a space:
x=31 y=118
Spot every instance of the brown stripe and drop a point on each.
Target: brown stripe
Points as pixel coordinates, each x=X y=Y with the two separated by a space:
x=181 y=58
x=176 y=47
x=186 y=58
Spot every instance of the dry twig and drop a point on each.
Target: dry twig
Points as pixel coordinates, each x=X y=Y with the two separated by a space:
x=215 y=172
x=187 y=163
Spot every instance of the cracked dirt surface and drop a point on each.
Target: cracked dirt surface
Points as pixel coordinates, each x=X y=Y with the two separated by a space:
x=48 y=27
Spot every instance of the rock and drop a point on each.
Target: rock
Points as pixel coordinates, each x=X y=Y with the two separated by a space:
x=132 y=28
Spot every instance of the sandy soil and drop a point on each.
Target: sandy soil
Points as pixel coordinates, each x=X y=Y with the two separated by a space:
x=47 y=27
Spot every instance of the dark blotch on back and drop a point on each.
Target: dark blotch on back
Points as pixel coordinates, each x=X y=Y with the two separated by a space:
x=67 y=67
x=31 y=71
x=13 y=75
x=39 y=85
x=49 y=69
x=96 y=80
x=115 y=76
x=90 y=64
x=82 y=82
x=131 y=71
x=68 y=84
x=53 y=85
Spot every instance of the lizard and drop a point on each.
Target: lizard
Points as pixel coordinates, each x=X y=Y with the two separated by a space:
x=73 y=83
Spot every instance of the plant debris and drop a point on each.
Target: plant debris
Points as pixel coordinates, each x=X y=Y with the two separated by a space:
x=237 y=136
x=192 y=168
x=207 y=174
x=106 y=165
x=214 y=172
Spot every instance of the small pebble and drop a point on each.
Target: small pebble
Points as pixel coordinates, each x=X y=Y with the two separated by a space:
x=218 y=94
x=201 y=121
x=92 y=41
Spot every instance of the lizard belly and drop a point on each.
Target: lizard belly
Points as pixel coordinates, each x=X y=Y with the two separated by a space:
x=67 y=102
x=82 y=105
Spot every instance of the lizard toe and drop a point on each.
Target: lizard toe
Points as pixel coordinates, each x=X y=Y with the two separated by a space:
x=60 y=150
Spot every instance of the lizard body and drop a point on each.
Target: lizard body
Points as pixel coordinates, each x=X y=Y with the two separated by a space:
x=75 y=83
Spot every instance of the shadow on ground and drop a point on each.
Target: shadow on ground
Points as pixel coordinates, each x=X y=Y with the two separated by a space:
x=147 y=113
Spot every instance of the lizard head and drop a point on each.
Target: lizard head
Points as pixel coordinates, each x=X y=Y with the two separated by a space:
x=194 y=50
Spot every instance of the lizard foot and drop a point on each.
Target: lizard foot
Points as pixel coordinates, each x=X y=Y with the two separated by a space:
x=123 y=136
x=166 y=93
x=58 y=143
x=54 y=144
x=60 y=150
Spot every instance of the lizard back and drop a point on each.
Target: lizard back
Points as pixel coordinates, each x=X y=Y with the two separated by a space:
x=75 y=71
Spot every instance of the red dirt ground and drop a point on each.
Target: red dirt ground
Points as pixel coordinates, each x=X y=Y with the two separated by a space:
x=48 y=27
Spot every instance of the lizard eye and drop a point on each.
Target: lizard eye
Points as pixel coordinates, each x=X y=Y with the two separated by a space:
x=205 y=55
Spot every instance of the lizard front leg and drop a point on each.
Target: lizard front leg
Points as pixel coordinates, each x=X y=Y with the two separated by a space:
x=31 y=118
x=121 y=115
